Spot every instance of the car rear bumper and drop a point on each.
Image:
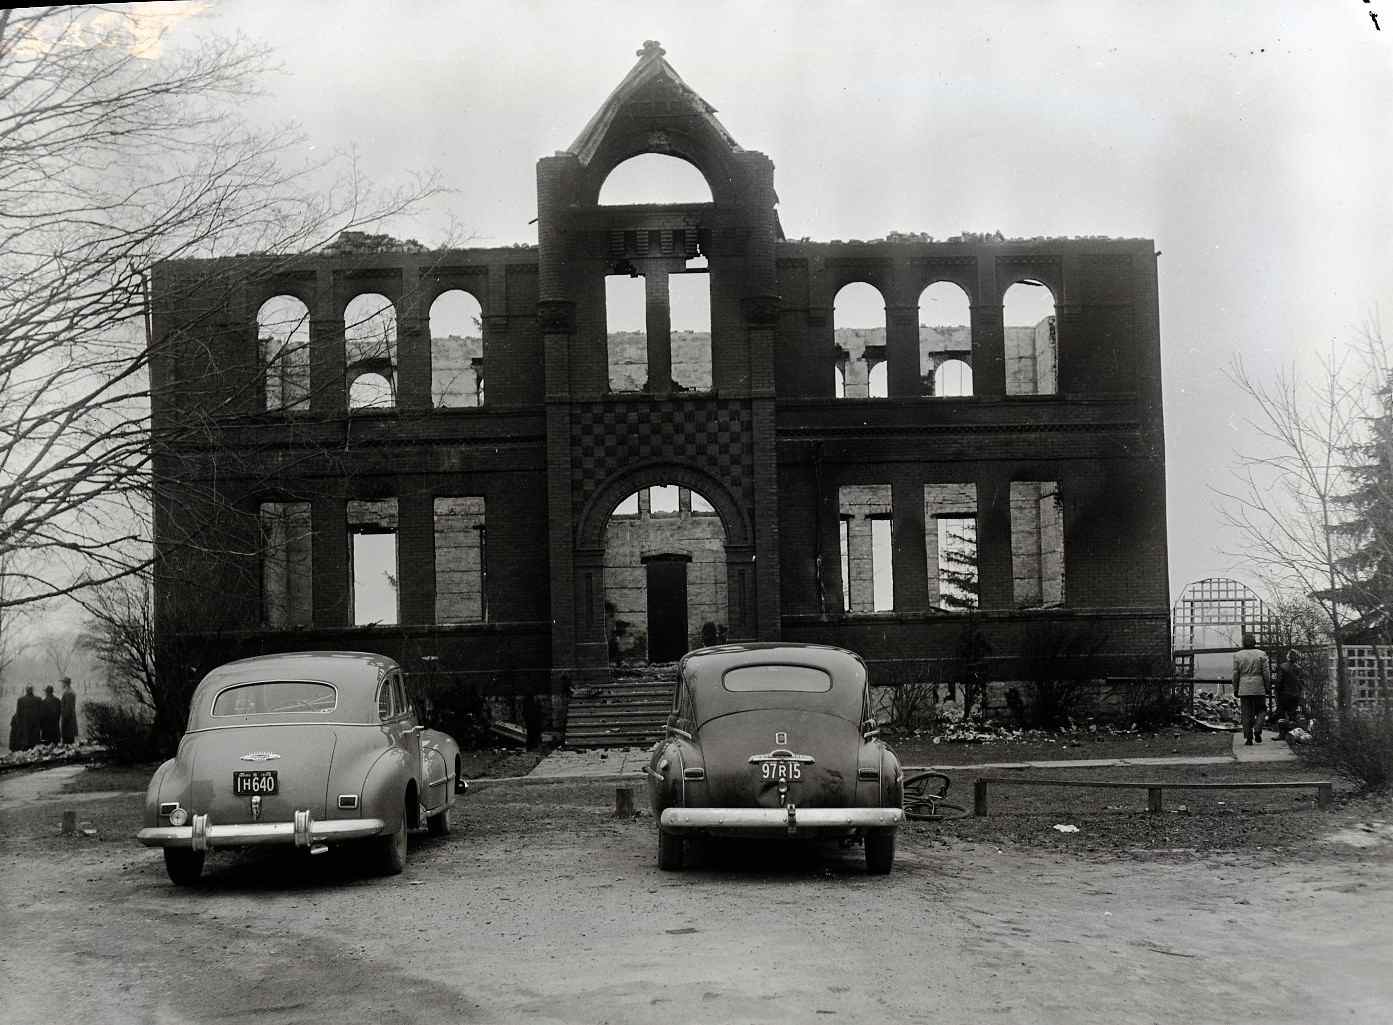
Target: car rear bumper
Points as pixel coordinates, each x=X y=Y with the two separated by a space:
x=789 y=821
x=303 y=831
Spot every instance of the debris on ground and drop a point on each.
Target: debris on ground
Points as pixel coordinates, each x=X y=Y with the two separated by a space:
x=51 y=754
x=1065 y=828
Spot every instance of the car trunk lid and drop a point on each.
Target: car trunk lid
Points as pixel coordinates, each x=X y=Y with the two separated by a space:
x=299 y=755
x=811 y=754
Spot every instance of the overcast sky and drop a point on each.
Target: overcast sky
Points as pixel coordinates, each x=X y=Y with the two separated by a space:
x=1253 y=141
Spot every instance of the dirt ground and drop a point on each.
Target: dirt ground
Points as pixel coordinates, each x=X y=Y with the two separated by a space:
x=542 y=908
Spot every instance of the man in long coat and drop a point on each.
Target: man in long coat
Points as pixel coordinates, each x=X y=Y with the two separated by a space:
x=50 y=714
x=28 y=712
x=68 y=722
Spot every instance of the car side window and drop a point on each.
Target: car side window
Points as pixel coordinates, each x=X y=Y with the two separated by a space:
x=399 y=695
x=385 y=709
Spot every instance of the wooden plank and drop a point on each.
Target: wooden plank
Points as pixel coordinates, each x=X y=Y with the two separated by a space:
x=1128 y=784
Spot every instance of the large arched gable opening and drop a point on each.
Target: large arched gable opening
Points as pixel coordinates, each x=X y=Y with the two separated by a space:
x=650 y=178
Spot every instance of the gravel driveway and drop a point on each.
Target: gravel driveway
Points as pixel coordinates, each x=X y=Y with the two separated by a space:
x=541 y=908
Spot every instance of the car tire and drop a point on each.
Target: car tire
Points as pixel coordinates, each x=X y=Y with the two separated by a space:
x=392 y=850
x=669 y=851
x=439 y=824
x=880 y=851
x=183 y=865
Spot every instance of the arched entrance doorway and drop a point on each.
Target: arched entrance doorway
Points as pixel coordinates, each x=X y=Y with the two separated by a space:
x=665 y=584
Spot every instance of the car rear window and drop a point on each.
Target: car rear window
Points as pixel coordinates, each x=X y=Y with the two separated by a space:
x=275 y=696
x=782 y=678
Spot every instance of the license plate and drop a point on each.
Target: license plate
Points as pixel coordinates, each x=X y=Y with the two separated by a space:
x=780 y=770
x=261 y=781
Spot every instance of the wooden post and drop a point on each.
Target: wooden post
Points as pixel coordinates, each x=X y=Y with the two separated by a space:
x=1153 y=799
x=69 y=823
x=979 y=797
x=623 y=802
x=1324 y=794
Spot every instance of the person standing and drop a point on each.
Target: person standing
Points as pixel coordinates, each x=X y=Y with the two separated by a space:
x=50 y=715
x=28 y=713
x=1252 y=680
x=1288 y=692
x=68 y=720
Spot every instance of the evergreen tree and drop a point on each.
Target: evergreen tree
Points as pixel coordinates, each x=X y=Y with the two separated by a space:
x=1367 y=532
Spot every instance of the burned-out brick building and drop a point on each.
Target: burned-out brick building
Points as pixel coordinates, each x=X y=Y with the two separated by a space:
x=776 y=476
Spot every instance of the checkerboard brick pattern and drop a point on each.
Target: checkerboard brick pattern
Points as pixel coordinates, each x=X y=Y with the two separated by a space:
x=610 y=437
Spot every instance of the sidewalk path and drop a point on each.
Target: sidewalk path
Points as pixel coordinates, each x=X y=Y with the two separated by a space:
x=1270 y=750
x=620 y=762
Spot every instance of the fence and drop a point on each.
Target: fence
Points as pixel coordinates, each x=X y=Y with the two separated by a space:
x=1367 y=668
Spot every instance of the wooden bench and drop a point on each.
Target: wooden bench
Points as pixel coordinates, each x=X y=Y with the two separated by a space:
x=1324 y=788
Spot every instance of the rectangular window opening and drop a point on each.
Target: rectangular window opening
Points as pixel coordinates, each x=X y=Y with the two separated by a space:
x=372 y=528
x=882 y=564
x=626 y=332
x=664 y=500
x=867 y=547
x=460 y=550
x=287 y=580
x=1037 y=544
x=689 y=307
x=950 y=542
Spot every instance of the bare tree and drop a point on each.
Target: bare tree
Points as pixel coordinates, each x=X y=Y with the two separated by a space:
x=115 y=156
x=58 y=648
x=1286 y=503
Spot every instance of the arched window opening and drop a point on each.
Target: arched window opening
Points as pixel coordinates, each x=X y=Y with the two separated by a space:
x=664 y=575
x=689 y=307
x=626 y=331
x=858 y=325
x=456 y=350
x=283 y=341
x=371 y=391
x=945 y=334
x=952 y=378
x=654 y=178
x=370 y=350
x=1031 y=343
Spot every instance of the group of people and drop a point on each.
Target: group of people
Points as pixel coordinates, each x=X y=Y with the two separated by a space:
x=1253 y=682
x=44 y=720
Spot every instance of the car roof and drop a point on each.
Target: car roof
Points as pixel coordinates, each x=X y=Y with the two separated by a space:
x=354 y=674
x=704 y=669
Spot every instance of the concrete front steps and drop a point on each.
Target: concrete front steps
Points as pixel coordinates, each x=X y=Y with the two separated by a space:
x=628 y=710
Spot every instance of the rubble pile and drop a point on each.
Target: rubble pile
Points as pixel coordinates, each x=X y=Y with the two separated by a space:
x=51 y=754
x=1212 y=707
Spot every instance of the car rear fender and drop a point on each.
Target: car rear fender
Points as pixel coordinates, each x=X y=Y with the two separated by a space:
x=677 y=776
x=384 y=787
x=162 y=783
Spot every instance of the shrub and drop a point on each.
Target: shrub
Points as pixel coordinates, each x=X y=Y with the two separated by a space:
x=1060 y=665
x=1152 y=703
x=127 y=734
x=1358 y=745
x=913 y=704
